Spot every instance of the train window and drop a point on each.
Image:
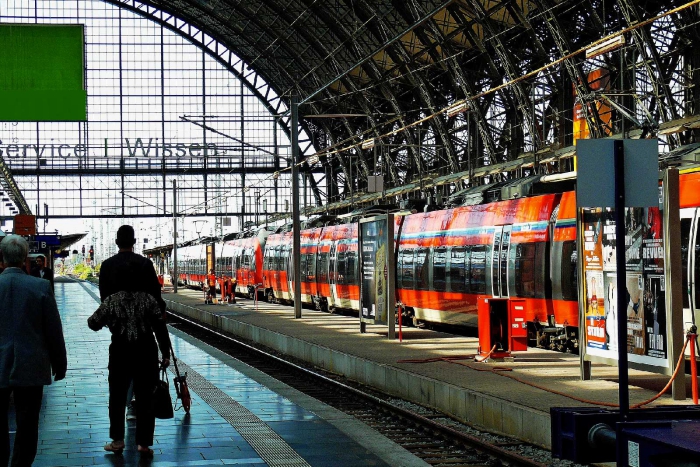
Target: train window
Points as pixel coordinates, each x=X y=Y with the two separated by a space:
x=569 y=271
x=458 y=270
x=253 y=261
x=439 y=263
x=351 y=259
x=342 y=270
x=421 y=263
x=477 y=271
x=322 y=267
x=331 y=265
x=407 y=269
x=311 y=267
x=525 y=270
x=542 y=285
x=685 y=237
x=303 y=268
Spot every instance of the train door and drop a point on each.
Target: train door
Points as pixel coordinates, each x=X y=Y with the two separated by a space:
x=333 y=299
x=276 y=261
x=690 y=261
x=499 y=261
x=290 y=272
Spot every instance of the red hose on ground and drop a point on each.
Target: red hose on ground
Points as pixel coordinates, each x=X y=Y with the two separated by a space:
x=501 y=372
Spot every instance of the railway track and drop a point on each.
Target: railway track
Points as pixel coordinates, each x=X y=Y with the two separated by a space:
x=429 y=435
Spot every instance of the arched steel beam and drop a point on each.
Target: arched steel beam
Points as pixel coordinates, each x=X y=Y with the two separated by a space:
x=524 y=104
x=399 y=55
x=580 y=81
x=438 y=123
x=647 y=49
x=217 y=48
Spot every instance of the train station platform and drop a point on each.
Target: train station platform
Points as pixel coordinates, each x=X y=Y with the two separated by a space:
x=239 y=416
x=513 y=398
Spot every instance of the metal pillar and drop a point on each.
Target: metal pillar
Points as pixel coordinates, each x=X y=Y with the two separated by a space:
x=175 y=275
x=674 y=274
x=296 y=226
x=621 y=264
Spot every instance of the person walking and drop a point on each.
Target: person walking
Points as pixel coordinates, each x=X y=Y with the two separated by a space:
x=130 y=293
x=32 y=348
x=211 y=287
x=42 y=271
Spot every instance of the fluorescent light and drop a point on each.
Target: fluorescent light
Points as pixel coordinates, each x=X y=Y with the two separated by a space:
x=368 y=143
x=457 y=108
x=608 y=45
x=311 y=160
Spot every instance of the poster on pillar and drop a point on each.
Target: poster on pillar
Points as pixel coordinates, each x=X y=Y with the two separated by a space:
x=374 y=247
x=644 y=292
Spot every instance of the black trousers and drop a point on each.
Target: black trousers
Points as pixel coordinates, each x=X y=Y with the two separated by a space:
x=27 y=408
x=143 y=371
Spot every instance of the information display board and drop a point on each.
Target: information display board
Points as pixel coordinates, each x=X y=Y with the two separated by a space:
x=646 y=313
x=377 y=296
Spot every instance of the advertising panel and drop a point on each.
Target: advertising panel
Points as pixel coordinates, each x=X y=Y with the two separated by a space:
x=373 y=238
x=645 y=289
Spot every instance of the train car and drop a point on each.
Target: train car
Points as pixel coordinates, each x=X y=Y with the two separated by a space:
x=276 y=267
x=448 y=260
x=690 y=246
x=246 y=252
x=192 y=263
x=564 y=275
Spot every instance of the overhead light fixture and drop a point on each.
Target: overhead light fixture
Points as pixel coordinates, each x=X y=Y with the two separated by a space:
x=276 y=175
x=245 y=189
x=311 y=160
x=608 y=45
x=368 y=143
x=456 y=109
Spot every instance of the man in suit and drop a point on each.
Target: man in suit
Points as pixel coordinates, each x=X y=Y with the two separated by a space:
x=41 y=271
x=31 y=349
x=130 y=272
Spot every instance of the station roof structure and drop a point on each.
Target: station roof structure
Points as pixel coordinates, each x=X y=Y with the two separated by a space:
x=440 y=95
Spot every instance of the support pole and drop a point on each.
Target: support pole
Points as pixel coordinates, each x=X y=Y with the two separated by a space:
x=621 y=264
x=175 y=275
x=296 y=226
x=673 y=278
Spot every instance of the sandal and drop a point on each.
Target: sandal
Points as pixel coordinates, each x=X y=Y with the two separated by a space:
x=114 y=447
x=145 y=452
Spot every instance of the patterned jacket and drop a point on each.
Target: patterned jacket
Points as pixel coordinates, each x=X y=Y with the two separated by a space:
x=133 y=318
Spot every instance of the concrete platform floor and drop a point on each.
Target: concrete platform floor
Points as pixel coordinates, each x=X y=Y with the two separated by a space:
x=241 y=416
x=506 y=397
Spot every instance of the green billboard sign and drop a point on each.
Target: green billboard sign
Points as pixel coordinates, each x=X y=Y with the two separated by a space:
x=42 y=73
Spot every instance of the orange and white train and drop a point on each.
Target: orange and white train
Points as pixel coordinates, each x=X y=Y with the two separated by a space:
x=446 y=262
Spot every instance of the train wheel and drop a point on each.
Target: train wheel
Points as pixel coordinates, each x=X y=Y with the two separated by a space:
x=270 y=296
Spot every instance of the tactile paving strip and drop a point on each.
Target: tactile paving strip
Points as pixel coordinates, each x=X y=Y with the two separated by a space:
x=268 y=444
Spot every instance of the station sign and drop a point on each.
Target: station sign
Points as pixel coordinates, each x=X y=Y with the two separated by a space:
x=48 y=240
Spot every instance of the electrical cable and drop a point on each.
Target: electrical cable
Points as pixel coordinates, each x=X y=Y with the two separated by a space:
x=502 y=371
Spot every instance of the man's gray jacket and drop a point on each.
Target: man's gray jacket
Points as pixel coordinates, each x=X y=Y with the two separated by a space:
x=31 y=335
